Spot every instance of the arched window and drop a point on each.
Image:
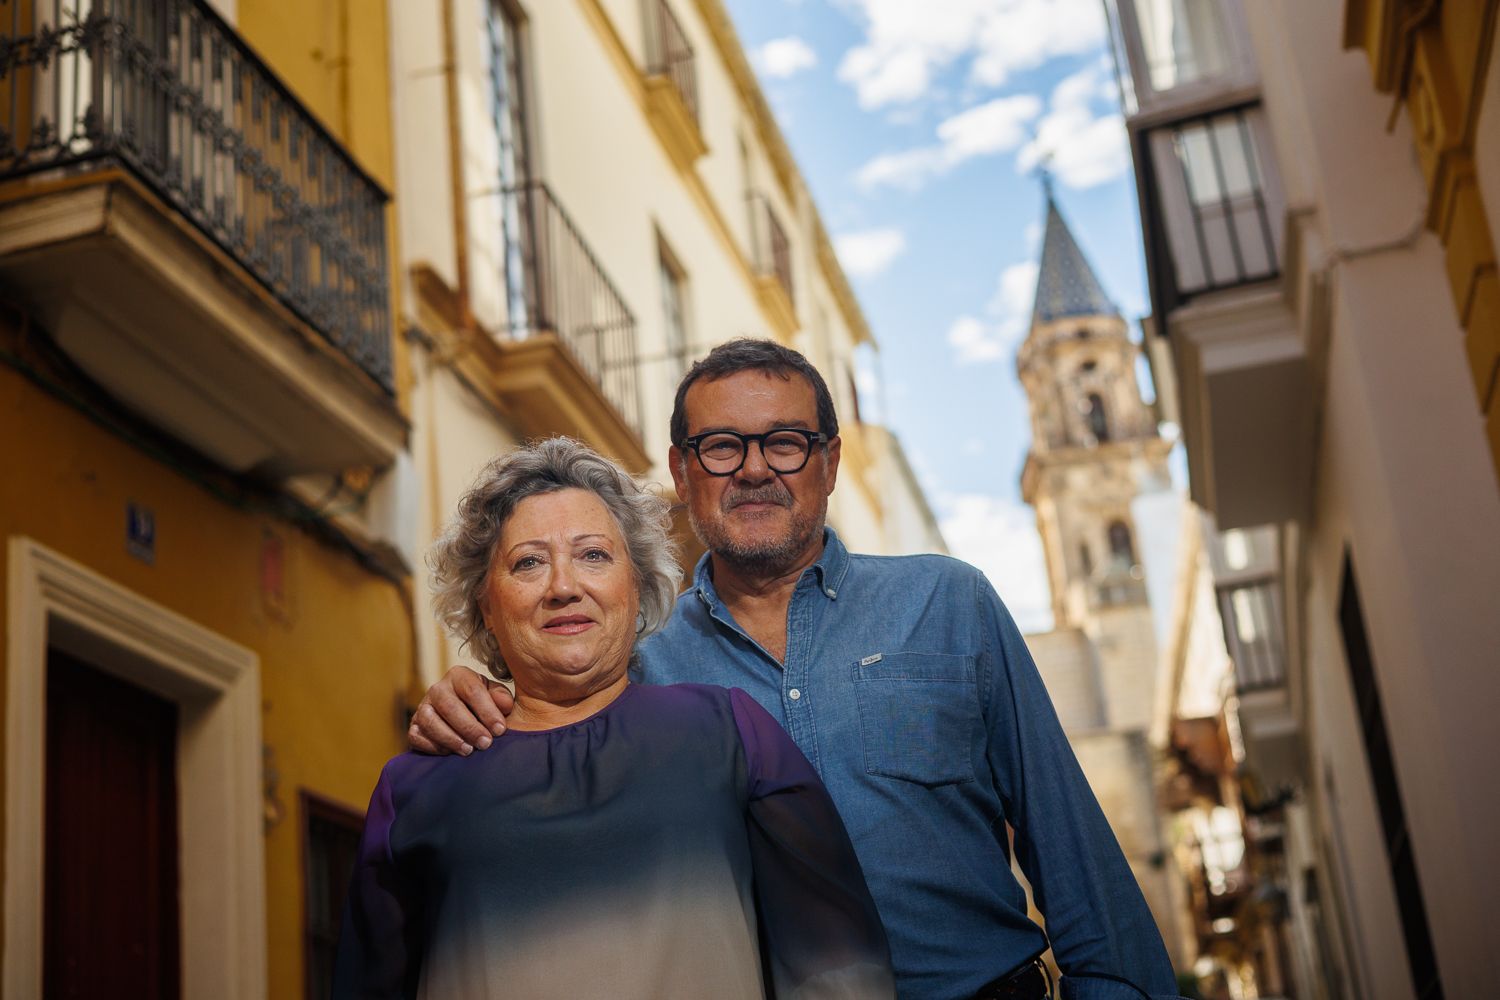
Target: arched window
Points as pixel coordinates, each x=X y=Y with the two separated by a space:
x=1098 y=420
x=1121 y=548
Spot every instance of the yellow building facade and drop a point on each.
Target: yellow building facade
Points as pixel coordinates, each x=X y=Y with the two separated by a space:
x=201 y=396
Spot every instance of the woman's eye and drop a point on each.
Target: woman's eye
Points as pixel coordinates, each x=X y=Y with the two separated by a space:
x=596 y=555
x=527 y=562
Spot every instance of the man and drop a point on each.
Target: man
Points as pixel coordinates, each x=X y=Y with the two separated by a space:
x=904 y=681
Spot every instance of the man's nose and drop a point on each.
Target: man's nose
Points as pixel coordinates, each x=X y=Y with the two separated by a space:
x=754 y=469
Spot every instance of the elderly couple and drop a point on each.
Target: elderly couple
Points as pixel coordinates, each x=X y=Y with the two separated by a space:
x=795 y=779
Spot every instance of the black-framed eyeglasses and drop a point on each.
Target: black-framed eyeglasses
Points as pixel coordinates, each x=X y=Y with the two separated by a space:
x=785 y=449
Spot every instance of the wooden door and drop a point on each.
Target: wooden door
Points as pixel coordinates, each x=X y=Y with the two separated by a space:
x=110 y=925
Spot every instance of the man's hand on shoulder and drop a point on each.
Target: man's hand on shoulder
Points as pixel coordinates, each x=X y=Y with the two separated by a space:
x=459 y=713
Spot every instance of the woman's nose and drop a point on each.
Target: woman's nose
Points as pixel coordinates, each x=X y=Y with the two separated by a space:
x=562 y=584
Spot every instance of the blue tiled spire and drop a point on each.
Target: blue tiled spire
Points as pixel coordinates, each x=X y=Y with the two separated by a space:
x=1066 y=285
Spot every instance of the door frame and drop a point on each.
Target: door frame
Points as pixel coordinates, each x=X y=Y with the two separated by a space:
x=53 y=601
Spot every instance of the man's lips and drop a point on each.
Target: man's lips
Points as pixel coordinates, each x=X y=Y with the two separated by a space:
x=567 y=625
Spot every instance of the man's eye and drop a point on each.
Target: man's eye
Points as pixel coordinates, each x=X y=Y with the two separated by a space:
x=721 y=449
x=785 y=445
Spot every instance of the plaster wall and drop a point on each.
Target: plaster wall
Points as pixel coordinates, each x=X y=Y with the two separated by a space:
x=334 y=656
x=1404 y=482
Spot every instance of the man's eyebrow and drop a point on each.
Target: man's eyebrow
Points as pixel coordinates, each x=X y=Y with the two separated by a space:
x=778 y=425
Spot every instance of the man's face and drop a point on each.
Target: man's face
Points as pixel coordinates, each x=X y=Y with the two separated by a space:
x=756 y=518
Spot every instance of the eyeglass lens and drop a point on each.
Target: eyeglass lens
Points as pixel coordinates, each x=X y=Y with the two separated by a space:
x=785 y=451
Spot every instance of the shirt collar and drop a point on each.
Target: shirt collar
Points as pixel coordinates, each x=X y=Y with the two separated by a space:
x=831 y=568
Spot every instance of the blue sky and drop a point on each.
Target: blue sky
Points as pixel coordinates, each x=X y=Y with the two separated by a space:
x=919 y=125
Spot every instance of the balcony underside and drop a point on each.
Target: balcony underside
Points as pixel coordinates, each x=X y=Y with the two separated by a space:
x=174 y=328
x=1247 y=406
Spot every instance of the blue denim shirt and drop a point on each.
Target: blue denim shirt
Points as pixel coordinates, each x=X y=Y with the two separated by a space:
x=909 y=688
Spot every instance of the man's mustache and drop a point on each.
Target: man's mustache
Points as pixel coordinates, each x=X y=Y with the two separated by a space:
x=774 y=493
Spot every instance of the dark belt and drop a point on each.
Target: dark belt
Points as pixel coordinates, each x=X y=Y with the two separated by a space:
x=1029 y=982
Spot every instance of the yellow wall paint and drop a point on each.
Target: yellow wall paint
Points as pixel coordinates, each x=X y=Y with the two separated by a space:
x=334 y=668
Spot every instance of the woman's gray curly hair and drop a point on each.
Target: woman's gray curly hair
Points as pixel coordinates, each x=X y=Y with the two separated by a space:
x=460 y=559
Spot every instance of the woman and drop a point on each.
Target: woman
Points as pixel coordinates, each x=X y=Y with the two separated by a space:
x=617 y=840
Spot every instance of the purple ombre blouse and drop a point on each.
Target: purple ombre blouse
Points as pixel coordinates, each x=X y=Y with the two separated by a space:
x=674 y=844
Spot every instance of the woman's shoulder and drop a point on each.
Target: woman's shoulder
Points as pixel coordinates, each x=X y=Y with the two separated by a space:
x=683 y=698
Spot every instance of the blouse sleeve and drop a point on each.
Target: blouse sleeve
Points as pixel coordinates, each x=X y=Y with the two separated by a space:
x=376 y=959
x=821 y=936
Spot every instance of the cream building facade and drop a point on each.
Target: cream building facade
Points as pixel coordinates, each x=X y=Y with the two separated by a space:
x=1318 y=187
x=1095 y=450
x=593 y=194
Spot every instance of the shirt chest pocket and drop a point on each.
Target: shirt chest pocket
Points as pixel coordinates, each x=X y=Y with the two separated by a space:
x=918 y=716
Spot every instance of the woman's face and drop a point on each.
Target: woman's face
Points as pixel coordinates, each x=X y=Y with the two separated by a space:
x=561 y=599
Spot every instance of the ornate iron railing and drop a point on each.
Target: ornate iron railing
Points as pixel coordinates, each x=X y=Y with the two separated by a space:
x=168 y=90
x=669 y=54
x=772 y=249
x=565 y=291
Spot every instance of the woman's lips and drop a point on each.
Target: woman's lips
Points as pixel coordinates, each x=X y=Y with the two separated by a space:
x=569 y=625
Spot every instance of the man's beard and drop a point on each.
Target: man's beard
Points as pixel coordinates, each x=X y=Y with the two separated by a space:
x=766 y=556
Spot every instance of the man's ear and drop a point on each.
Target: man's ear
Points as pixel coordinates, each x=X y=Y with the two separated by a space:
x=676 y=464
x=831 y=462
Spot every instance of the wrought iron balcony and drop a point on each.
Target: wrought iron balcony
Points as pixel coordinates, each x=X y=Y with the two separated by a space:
x=670 y=55
x=168 y=91
x=564 y=291
x=772 y=249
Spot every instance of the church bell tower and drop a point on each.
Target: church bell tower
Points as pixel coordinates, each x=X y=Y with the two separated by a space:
x=1094 y=443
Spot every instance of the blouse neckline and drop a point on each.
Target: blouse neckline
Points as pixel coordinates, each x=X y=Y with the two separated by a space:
x=630 y=688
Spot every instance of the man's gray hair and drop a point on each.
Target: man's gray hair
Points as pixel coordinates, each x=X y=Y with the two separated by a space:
x=460 y=560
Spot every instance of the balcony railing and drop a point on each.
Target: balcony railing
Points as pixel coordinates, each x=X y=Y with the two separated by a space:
x=169 y=91
x=1251 y=613
x=669 y=54
x=772 y=249
x=566 y=292
x=1209 y=213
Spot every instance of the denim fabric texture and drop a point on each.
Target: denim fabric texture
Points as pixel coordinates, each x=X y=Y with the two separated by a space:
x=908 y=686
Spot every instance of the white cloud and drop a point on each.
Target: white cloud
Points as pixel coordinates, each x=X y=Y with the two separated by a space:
x=869 y=252
x=1007 y=318
x=781 y=58
x=1000 y=537
x=997 y=126
x=1082 y=149
x=907 y=43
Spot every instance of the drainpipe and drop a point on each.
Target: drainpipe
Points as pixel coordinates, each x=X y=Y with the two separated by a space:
x=456 y=168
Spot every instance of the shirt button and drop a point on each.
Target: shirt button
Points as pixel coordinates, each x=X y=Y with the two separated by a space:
x=831 y=592
x=794 y=694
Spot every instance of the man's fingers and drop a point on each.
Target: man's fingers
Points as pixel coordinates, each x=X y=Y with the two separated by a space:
x=476 y=694
x=439 y=736
x=503 y=699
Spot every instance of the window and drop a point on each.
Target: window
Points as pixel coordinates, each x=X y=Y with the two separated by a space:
x=1251 y=615
x=1098 y=420
x=1184 y=41
x=330 y=848
x=1086 y=559
x=508 y=112
x=674 y=311
x=1218 y=208
x=1121 y=548
x=1420 y=956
